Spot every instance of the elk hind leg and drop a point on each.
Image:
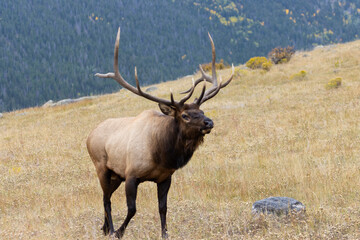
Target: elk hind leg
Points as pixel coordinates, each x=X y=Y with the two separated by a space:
x=131 y=185
x=109 y=182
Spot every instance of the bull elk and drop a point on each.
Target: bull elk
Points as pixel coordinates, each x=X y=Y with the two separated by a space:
x=151 y=146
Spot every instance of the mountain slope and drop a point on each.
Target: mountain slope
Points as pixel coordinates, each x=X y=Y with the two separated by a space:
x=51 y=50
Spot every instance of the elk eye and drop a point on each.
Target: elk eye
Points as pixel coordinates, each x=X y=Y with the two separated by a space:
x=185 y=117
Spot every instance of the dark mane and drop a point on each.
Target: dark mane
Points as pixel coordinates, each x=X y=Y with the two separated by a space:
x=174 y=149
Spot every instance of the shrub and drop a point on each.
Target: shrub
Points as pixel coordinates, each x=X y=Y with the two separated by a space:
x=266 y=65
x=259 y=62
x=221 y=65
x=334 y=83
x=299 y=76
x=281 y=55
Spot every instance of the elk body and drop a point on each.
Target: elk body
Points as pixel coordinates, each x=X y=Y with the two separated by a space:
x=151 y=146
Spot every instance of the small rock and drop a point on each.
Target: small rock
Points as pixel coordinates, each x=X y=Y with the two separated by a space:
x=151 y=89
x=49 y=103
x=187 y=76
x=22 y=114
x=84 y=98
x=277 y=205
x=319 y=47
x=64 y=102
x=1 y=115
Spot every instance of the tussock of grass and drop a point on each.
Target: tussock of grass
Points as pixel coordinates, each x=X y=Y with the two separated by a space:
x=273 y=137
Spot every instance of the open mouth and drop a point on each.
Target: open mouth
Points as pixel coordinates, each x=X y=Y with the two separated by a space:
x=206 y=130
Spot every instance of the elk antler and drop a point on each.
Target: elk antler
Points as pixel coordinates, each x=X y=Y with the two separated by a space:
x=215 y=88
x=117 y=77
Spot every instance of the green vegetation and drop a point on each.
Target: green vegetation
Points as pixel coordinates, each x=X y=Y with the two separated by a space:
x=299 y=76
x=266 y=65
x=259 y=63
x=281 y=55
x=334 y=83
x=51 y=50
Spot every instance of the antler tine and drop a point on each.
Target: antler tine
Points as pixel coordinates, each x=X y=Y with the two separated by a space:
x=117 y=77
x=137 y=80
x=212 y=94
x=198 y=101
x=199 y=80
x=205 y=76
x=191 y=91
x=172 y=97
x=213 y=78
x=230 y=78
x=217 y=89
x=213 y=64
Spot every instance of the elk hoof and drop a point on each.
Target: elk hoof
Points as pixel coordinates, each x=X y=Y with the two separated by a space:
x=105 y=229
x=118 y=234
x=164 y=235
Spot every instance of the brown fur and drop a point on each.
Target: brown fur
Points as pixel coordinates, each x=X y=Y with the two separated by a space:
x=150 y=146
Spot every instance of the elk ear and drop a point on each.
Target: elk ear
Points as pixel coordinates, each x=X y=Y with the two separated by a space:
x=167 y=110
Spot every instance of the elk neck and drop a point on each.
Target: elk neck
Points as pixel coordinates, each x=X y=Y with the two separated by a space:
x=176 y=149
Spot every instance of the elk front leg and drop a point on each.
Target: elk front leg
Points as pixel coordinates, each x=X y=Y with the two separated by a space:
x=163 y=189
x=131 y=185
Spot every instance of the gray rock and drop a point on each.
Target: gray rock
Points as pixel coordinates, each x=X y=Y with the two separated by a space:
x=51 y=103
x=48 y=103
x=278 y=206
x=21 y=114
x=325 y=48
x=64 y=102
x=151 y=89
x=85 y=98
x=187 y=76
x=319 y=47
x=1 y=115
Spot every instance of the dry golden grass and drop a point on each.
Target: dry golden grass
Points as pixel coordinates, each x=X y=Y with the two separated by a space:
x=273 y=137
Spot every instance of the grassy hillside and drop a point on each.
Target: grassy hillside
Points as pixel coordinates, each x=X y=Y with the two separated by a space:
x=274 y=135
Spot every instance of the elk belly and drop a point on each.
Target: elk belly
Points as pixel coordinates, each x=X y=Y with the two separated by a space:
x=160 y=174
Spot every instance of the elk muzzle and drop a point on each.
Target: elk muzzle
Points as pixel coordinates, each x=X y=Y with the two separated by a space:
x=208 y=125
